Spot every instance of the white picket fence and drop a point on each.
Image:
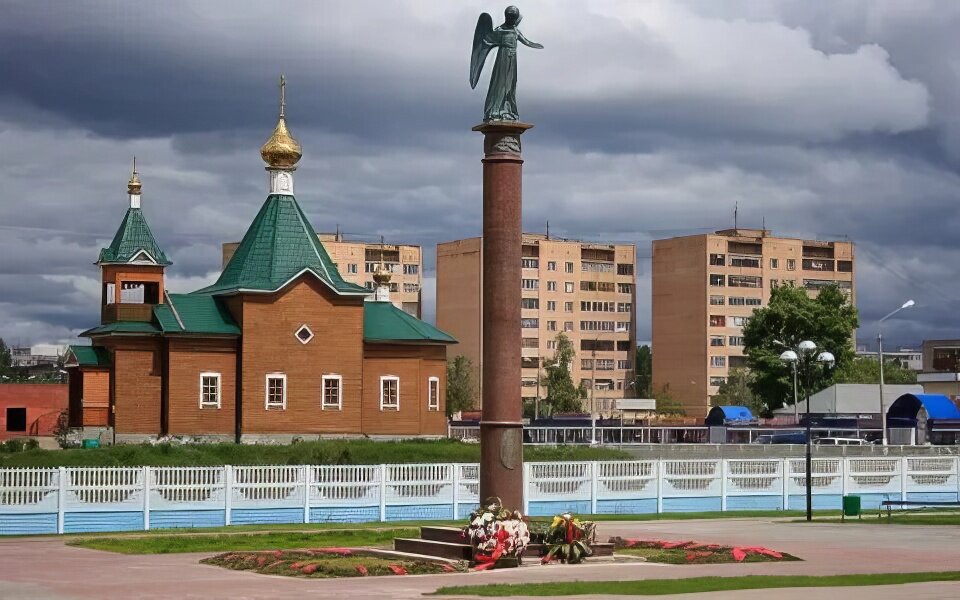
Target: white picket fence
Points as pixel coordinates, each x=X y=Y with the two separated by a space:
x=95 y=499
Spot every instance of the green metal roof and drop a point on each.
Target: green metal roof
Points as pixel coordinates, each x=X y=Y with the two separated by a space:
x=132 y=238
x=279 y=245
x=194 y=313
x=384 y=322
x=90 y=356
x=123 y=327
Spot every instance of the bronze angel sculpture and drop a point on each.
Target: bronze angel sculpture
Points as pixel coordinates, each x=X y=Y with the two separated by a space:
x=501 y=104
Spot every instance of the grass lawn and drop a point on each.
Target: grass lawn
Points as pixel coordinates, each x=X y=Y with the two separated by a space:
x=678 y=556
x=277 y=540
x=659 y=587
x=905 y=518
x=326 y=452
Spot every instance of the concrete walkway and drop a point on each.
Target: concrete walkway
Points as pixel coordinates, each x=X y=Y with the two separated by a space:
x=46 y=569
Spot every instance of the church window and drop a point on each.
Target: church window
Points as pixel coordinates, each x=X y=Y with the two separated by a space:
x=389 y=392
x=433 y=393
x=209 y=390
x=304 y=334
x=276 y=396
x=332 y=392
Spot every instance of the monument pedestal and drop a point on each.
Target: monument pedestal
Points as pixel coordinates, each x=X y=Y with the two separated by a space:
x=501 y=425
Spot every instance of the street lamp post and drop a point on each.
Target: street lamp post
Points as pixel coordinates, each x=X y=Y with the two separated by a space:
x=883 y=413
x=804 y=357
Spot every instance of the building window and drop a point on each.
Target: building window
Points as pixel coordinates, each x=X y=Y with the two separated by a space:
x=530 y=263
x=531 y=284
x=528 y=382
x=568 y=307
x=718 y=381
x=845 y=266
x=551 y=305
x=718 y=321
x=529 y=323
x=739 y=321
x=716 y=300
x=623 y=365
x=568 y=267
x=735 y=340
x=568 y=287
x=389 y=392
x=774 y=263
x=623 y=345
x=774 y=283
x=17 y=419
x=551 y=265
x=568 y=325
x=209 y=390
x=625 y=288
x=411 y=288
x=529 y=342
x=624 y=306
x=745 y=261
x=745 y=281
x=586 y=364
x=716 y=280
x=276 y=388
x=718 y=362
x=623 y=326
x=352 y=268
x=596 y=267
x=332 y=392
x=433 y=393
x=551 y=344
x=551 y=286
x=304 y=334
x=532 y=303
x=596 y=326
x=716 y=340
x=791 y=264
x=624 y=269
x=604 y=364
x=717 y=260
x=411 y=269
x=551 y=325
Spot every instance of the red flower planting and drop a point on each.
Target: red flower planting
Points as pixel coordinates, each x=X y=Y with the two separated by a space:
x=362 y=570
x=307 y=570
x=398 y=570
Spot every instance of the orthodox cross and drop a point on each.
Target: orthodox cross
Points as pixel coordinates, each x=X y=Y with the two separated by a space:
x=283 y=95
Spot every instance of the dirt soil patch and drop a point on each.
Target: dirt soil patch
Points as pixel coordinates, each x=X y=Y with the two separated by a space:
x=690 y=553
x=328 y=562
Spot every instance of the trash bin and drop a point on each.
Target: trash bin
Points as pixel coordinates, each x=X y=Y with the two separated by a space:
x=91 y=443
x=851 y=506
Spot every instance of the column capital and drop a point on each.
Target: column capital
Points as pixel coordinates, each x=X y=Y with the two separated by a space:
x=502 y=138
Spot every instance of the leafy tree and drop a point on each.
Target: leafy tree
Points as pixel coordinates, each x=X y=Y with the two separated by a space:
x=5 y=359
x=736 y=391
x=562 y=394
x=863 y=369
x=667 y=406
x=791 y=317
x=644 y=371
x=461 y=389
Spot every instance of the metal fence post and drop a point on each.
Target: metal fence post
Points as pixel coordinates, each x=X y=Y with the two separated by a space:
x=61 y=497
x=383 y=493
x=659 y=464
x=455 y=477
x=307 y=476
x=785 y=480
x=903 y=478
x=146 y=498
x=844 y=469
x=594 y=475
x=723 y=484
x=227 y=493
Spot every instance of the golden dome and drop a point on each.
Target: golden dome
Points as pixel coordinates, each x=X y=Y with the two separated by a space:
x=133 y=186
x=381 y=276
x=281 y=151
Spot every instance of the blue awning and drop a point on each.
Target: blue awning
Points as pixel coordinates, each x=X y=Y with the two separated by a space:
x=937 y=406
x=729 y=415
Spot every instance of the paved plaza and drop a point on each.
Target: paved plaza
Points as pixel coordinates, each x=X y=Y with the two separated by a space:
x=46 y=569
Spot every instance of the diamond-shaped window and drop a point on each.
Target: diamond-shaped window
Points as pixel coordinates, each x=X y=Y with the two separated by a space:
x=304 y=334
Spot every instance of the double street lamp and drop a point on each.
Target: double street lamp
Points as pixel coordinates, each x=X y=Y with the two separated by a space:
x=804 y=358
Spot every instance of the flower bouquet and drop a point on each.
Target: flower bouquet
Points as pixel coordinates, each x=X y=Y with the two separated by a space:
x=569 y=539
x=497 y=535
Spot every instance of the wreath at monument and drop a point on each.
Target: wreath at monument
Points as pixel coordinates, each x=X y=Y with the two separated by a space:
x=569 y=539
x=498 y=535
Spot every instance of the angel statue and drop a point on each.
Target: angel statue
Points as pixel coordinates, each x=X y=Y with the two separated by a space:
x=501 y=104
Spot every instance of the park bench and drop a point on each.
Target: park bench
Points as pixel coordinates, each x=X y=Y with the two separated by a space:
x=889 y=504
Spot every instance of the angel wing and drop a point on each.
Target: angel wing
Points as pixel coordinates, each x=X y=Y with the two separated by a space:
x=481 y=47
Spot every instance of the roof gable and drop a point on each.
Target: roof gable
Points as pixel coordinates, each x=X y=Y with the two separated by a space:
x=279 y=246
x=132 y=242
x=87 y=356
x=384 y=322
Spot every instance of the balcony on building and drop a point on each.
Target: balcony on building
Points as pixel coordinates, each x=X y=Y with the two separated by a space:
x=136 y=301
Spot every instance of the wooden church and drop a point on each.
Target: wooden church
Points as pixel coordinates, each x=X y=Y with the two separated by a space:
x=279 y=347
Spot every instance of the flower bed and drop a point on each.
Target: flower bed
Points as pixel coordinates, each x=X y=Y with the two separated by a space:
x=689 y=552
x=498 y=535
x=327 y=562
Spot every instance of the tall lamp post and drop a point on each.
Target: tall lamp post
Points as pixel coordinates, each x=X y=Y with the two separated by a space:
x=883 y=413
x=806 y=358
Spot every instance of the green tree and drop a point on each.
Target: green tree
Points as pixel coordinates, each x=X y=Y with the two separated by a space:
x=5 y=359
x=790 y=317
x=644 y=370
x=736 y=391
x=461 y=389
x=562 y=395
x=667 y=406
x=863 y=369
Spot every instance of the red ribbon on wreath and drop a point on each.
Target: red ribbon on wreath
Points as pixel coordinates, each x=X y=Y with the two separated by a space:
x=487 y=561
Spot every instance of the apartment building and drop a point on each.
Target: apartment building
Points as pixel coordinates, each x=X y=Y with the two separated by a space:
x=585 y=290
x=705 y=287
x=357 y=262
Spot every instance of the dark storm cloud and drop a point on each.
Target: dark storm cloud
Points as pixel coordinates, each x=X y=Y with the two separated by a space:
x=653 y=120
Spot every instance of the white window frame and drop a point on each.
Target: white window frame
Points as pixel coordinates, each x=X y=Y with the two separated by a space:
x=219 y=379
x=266 y=391
x=384 y=378
x=323 y=391
x=310 y=331
x=433 y=404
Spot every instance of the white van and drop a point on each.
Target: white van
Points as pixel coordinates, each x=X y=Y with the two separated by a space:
x=834 y=441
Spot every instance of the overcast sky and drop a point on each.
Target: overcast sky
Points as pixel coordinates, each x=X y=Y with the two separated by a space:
x=823 y=119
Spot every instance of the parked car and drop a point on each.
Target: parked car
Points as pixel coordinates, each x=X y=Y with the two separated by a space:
x=835 y=441
x=781 y=438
